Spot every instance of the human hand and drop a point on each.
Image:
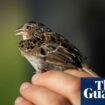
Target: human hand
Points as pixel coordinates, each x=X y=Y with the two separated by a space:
x=52 y=88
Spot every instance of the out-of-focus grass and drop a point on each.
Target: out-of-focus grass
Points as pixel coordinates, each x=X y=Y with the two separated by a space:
x=13 y=68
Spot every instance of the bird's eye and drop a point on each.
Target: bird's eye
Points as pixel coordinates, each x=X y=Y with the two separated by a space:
x=27 y=27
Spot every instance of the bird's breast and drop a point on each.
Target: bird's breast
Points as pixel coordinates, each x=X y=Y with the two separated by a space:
x=36 y=62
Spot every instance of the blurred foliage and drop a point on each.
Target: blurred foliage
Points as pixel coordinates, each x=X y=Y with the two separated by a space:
x=13 y=68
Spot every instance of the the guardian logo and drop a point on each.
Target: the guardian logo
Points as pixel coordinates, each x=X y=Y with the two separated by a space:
x=99 y=92
x=92 y=91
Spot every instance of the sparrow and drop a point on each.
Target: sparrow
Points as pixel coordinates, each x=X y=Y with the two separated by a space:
x=47 y=50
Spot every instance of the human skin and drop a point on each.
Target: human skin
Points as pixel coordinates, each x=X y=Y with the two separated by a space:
x=52 y=88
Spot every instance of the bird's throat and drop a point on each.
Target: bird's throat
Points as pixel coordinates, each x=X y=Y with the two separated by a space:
x=24 y=37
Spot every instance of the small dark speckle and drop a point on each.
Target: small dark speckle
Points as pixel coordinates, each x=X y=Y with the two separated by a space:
x=28 y=47
x=42 y=51
x=34 y=41
x=52 y=38
x=38 y=44
x=30 y=40
x=65 y=45
x=31 y=47
x=22 y=45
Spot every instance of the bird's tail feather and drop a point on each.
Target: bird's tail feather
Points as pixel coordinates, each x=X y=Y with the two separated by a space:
x=89 y=71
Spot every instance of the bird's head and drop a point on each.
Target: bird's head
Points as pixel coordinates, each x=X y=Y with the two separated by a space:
x=27 y=30
x=31 y=29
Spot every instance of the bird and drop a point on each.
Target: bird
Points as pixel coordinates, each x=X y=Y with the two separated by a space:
x=46 y=50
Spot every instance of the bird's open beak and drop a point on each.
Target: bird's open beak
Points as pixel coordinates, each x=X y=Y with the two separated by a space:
x=19 y=31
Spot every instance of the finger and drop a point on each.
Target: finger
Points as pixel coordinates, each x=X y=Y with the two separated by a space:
x=22 y=101
x=77 y=73
x=62 y=83
x=41 y=96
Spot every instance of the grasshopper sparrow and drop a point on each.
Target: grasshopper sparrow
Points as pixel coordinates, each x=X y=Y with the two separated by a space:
x=47 y=50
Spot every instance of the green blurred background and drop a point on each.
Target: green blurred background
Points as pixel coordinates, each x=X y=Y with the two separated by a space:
x=82 y=21
x=13 y=68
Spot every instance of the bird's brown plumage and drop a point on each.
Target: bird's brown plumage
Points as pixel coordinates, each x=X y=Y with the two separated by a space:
x=52 y=50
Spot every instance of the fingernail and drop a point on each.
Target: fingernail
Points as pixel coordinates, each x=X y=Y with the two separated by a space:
x=25 y=86
x=36 y=76
x=19 y=101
